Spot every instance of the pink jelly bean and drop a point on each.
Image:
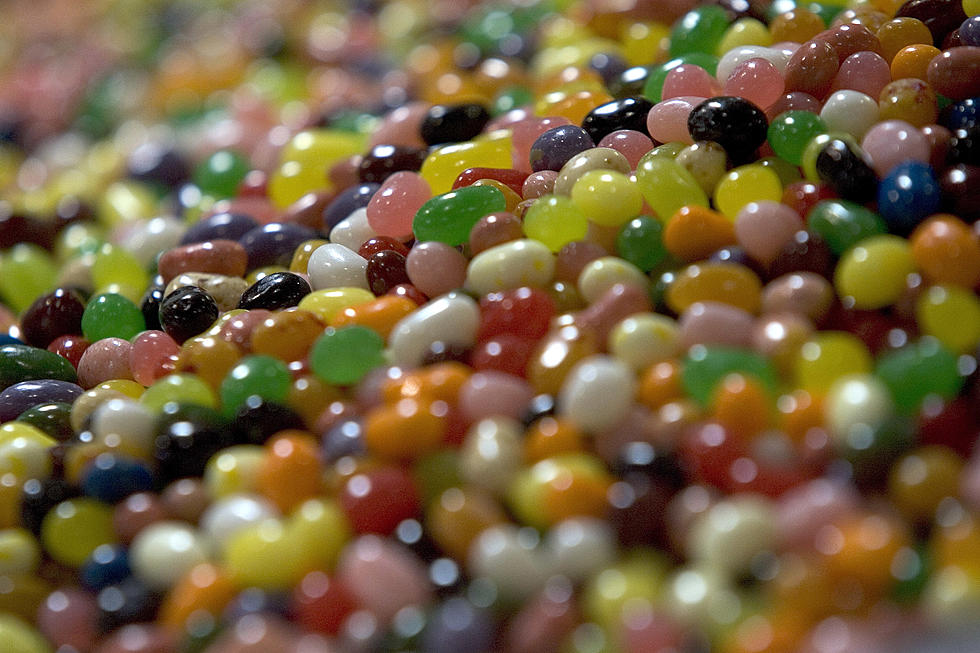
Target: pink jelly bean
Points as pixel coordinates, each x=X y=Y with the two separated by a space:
x=105 y=360
x=494 y=394
x=667 y=120
x=538 y=184
x=393 y=207
x=153 y=356
x=893 y=141
x=435 y=268
x=383 y=576
x=757 y=80
x=628 y=142
x=401 y=126
x=764 y=228
x=867 y=72
x=688 y=79
x=714 y=323
x=794 y=101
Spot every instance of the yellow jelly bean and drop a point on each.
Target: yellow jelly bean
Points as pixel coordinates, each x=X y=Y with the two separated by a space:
x=19 y=552
x=233 y=470
x=555 y=221
x=76 y=527
x=873 y=272
x=952 y=315
x=607 y=197
x=729 y=283
x=443 y=165
x=126 y=386
x=126 y=201
x=744 y=31
x=305 y=161
x=321 y=528
x=745 y=184
x=182 y=388
x=19 y=637
x=667 y=185
x=828 y=356
x=643 y=339
x=14 y=430
x=327 y=303
x=265 y=556
x=114 y=265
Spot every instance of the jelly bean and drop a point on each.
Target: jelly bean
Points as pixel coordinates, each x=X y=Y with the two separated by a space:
x=304 y=159
x=667 y=186
x=436 y=268
x=845 y=168
x=336 y=266
x=19 y=363
x=729 y=283
x=953 y=72
x=26 y=272
x=949 y=315
x=911 y=100
x=345 y=355
x=946 y=251
x=449 y=217
x=715 y=120
x=587 y=161
x=851 y=112
x=829 y=356
x=700 y=30
x=451 y=319
x=842 y=223
x=890 y=259
x=667 y=120
x=689 y=80
x=812 y=68
x=74 y=528
x=52 y=315
x=756 y=80
x=654 y=82
x=764 y=228
x=608 y=198
x=625 y=114
x=745 y=185
x=705 y=367
x=641 y=242
x=259 y=375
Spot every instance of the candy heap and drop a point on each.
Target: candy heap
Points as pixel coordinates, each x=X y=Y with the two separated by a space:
x=569 y=326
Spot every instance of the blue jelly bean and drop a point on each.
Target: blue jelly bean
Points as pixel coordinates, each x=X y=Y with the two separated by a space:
x=253 y=600
x=111 y=478
x=907 y=195
x=274 y=243
x=228 y=226
x=346 y=202
x=963 y=114
x=108 y=565
x=458 y=625
x=970 y=31
x=7 y=339
x=556 y=146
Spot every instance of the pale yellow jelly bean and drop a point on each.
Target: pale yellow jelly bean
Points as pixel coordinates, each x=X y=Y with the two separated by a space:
x=227 y=291
x=643 y=339
x=25 y=458
x=325 y=304
x=513 y=264
x=86 y=404
x=491 y=453
x=597 y=158
x=603 y=273
x=233 y=470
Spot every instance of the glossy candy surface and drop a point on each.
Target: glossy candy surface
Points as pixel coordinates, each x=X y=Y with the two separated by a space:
x=530 y=327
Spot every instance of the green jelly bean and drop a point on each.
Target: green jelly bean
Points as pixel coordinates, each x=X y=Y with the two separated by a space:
x=110 y=315
x=343 y=356
x=260 y=375
x=54 y=419
x=699 y=30
x=640 y=241
x=705 y=367
x=919 y=370
x=448 y=218
x=26 y=273
x=511 y=98
x=791 y=131
x=842 y=223
x=25 y=363
x=220 y=173
x=871 y=450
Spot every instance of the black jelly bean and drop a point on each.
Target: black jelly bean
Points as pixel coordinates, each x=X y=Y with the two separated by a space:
x=275 y=291
x=150 y=306
x=125 y=603
x=41 y=495
x=960 y=186
x=382 y=161
x=733 y=122
x=187 y=437
x=453 y=123
x=156 y=164
x=964 y=146
x=257 y=420
x=628 y=113
x=940 y=16
x=58 y=313
x=629 y=83
x=847 y=170
x=187 y=311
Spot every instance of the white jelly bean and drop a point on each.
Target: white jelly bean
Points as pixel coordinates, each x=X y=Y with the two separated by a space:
x=227 y=516
x=600 y=275
x=163 y=552
x=147 y=239
x=333 y=266
x=849 y=111
x=729 y=535
x=353 y=231
x=452 y=319
x=597 y=393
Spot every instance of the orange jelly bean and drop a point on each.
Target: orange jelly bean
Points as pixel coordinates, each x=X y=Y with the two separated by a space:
x=729 y=283
x=206 y=588
x=660 y=384
x=291 y=471
x=209 y=357
x=381 y=314
x=458 y=517
x=947 y=251
x=286 y=335
x=406 y=429
x=695 y=232
x=551 y=436
x=912 y=61
x=742 y=405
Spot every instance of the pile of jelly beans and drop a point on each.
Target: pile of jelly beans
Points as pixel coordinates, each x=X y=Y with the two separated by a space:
x=544 y=326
